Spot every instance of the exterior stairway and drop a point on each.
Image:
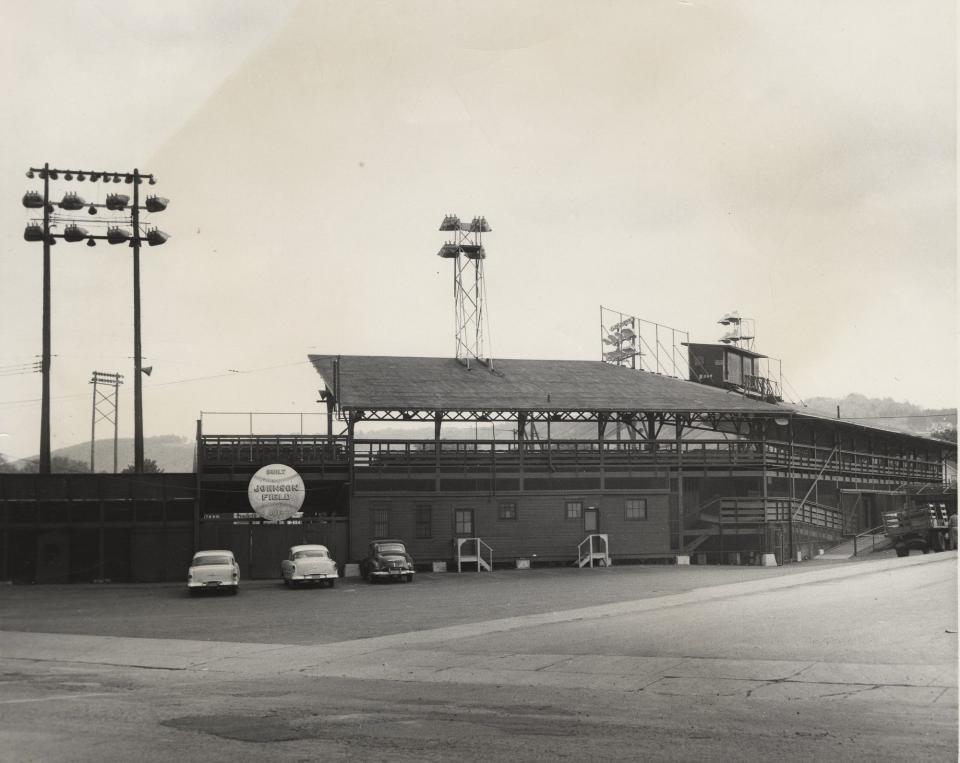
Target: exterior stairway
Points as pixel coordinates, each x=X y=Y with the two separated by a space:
x=594 y=551
x=476 y=553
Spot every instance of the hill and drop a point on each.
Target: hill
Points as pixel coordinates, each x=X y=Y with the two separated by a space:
x=885 y=413
x=171 y=452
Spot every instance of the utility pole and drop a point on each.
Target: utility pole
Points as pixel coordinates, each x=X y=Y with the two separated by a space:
x=44 y=465
x=104 y=408
x=122 y=226
x=137 y=360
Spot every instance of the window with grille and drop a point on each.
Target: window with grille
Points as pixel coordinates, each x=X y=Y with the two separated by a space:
x=574 y=509
x=508 y=511
x=424 y=521
x=636 y=508
x=380 y=523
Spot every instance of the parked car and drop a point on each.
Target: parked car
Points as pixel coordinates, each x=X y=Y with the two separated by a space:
x=213 y=570
x=308 y=564
x=387 y=560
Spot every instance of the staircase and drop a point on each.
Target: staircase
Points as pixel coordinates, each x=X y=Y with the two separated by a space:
x=594 y=550
x=476 y=552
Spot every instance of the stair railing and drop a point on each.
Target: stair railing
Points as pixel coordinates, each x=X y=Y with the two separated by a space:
x=481 y=550
x=587 y=557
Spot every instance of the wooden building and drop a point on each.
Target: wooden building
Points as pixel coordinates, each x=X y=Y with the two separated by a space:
x=560 y=451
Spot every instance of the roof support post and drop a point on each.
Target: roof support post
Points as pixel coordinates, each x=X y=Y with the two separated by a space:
x=521 y=443
x=437 y=422
x=681 y=523
x=650 y=431
x=351 y=454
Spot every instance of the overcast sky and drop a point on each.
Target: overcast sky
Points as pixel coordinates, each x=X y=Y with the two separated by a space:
x=795 y=161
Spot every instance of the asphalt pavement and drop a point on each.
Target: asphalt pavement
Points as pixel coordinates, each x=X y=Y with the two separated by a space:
x=838 y=661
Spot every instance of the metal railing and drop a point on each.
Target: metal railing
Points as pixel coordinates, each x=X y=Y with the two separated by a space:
x=859 y=540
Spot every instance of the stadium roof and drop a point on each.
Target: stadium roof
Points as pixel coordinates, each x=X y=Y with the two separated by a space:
x=399 y=383
x=392 y=383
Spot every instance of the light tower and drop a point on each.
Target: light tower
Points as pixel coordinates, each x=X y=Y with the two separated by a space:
x=121 y=224
x=469 y=289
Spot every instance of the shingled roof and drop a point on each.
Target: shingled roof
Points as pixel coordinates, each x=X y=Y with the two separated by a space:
x=400 y=383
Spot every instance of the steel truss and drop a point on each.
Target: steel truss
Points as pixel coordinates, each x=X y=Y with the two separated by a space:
x=651 y=422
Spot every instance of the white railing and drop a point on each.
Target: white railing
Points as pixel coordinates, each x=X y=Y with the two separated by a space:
x=597 y=550
x=480 y=549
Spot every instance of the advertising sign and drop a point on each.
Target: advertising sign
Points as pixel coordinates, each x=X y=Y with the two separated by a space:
x=276 y=492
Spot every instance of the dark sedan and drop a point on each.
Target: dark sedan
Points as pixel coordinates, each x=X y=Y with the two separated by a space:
x=387 y=560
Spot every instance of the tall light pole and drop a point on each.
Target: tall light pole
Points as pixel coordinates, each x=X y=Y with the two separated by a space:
x=119 y=229
x=137 y=359
x=44 y=465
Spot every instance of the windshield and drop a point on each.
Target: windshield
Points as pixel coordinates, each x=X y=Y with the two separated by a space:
x=391 y=548
x=204 y=561
x=313 y=553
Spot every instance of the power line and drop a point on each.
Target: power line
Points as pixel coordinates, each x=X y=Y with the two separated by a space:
x=170 y=383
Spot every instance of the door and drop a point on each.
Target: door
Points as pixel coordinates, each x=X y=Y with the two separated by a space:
x=591 y=520
x=463 y=528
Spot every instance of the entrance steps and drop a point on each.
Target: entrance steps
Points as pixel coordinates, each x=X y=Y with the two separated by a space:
x=594 y=551
x=473 y=551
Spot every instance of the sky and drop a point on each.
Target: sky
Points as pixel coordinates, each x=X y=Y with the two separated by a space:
x=674 y=160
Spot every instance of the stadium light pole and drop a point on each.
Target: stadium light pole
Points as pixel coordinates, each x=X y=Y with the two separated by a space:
x=114 y=235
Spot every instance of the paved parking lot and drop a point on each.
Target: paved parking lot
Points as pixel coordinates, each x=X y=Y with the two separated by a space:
x=267 y=612
x=831 y=661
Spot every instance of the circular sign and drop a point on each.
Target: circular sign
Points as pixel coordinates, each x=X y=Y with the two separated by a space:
x=276 y=492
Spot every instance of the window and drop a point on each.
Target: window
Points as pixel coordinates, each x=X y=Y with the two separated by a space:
x=636 y=508
x=424 y=521
x=507 y=511
x=574 y=509
x=379 y=523
x=463 y=519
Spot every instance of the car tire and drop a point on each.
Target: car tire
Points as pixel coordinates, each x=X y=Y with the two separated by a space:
x=408 y=578
x=902 y=550
x=331 y=583
x=235 y=590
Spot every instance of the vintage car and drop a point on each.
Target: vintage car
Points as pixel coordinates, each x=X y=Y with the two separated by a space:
x=213 y=570
x=387 y=560
x=309 y=564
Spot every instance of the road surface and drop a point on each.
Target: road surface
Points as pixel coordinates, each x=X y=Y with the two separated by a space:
x=833 y=661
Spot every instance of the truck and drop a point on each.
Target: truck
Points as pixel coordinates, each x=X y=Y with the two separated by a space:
x=922 y=526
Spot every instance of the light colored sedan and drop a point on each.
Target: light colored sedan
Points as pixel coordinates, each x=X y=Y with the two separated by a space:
x=213 y=570
x=309 y=564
